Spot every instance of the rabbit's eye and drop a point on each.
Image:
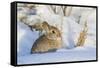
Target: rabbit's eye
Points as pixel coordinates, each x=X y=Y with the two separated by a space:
x=53 y=31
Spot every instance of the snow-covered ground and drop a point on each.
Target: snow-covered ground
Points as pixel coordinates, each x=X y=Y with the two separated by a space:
x=70 y=34
x=62 y=55
x=26 y=39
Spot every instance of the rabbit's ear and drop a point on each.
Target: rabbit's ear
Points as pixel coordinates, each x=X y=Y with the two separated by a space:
x=45 y=26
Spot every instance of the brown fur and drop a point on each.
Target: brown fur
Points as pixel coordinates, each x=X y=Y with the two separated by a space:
x=49 y=41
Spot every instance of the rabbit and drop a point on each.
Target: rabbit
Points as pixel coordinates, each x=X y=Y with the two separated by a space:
x=48 y=42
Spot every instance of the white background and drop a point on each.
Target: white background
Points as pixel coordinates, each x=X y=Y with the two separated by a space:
x=5 y=34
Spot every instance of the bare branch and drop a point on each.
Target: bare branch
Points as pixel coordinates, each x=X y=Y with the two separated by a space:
x=53 y=8
x=64 y=10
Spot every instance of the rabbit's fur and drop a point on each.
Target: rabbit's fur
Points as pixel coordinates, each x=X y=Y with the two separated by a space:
x=50 y=41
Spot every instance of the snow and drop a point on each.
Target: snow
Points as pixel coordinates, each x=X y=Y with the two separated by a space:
x=62 y=55
x=26 y=38
x=70 y=34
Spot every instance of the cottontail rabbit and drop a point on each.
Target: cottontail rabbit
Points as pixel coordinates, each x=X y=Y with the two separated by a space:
x=50 y=41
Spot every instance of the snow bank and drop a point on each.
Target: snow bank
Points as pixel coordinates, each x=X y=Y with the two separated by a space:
x=62 y=55
x=25 y=39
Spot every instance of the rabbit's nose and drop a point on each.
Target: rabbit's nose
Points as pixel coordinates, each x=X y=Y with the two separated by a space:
x=58 y=35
